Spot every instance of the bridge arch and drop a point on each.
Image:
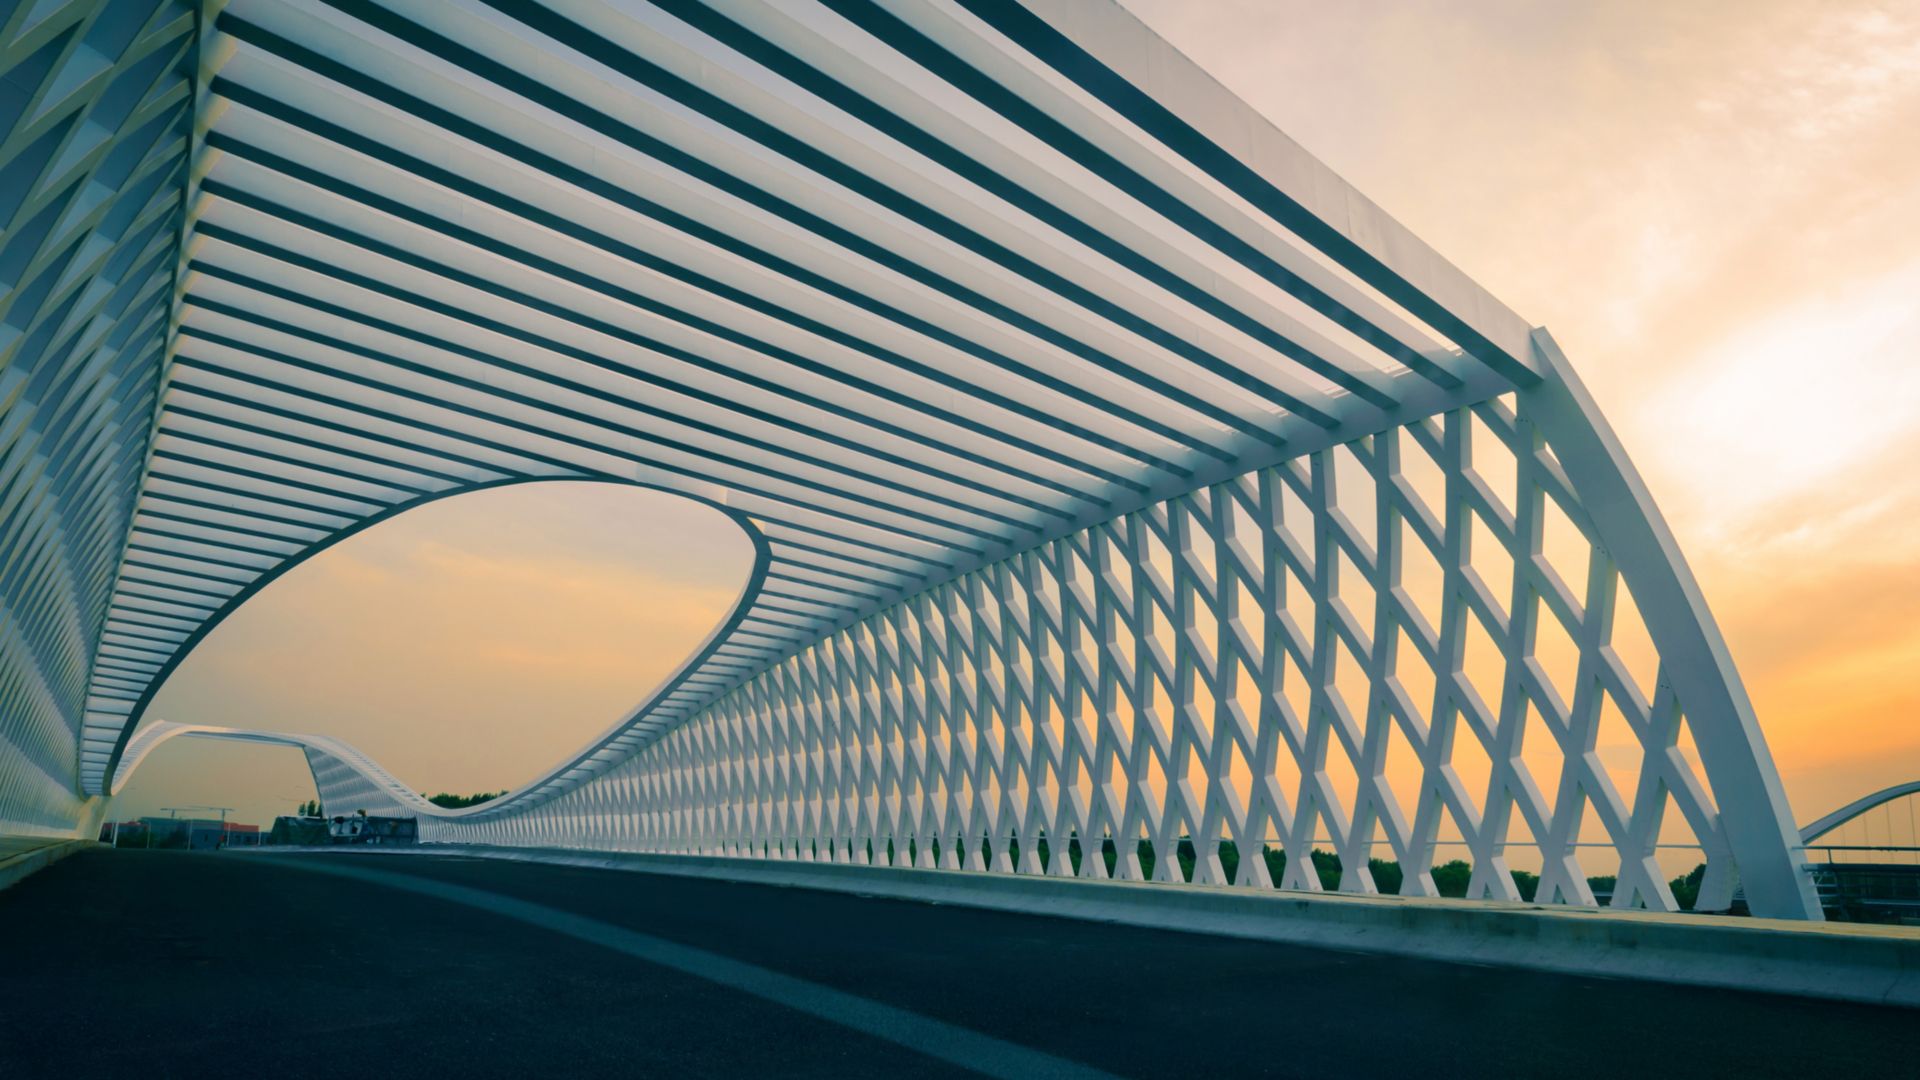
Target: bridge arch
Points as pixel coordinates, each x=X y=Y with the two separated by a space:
x=1820 y=827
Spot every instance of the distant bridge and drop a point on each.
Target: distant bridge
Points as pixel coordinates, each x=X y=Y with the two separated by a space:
x=1872 y=875
x=1855 y=809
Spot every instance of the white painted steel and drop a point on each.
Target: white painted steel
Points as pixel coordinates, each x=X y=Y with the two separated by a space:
x=1820 y=827
x=347 y=780
x=1066 y=401
x=93 y=115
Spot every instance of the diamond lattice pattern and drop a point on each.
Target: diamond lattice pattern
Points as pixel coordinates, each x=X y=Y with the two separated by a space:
x=1402 y=650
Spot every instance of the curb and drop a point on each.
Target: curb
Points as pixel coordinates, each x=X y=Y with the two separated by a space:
x=1841 y=962
x=15 y=868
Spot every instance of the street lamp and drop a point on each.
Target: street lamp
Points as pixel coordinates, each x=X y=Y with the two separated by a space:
x=224 y=811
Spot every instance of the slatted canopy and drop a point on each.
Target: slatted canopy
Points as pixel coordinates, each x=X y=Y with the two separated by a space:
x=904 y=287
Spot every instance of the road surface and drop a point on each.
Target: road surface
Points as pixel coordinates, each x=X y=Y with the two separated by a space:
x=169 y=964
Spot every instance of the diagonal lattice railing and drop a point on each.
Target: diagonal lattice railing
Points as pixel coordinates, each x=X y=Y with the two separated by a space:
x=1412 y=648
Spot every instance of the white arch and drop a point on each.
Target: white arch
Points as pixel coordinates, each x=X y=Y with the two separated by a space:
x=1822 y=826
x=343 y=776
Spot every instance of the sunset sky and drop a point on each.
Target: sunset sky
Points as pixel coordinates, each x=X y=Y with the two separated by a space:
x=1714 y=207
x=467 y=645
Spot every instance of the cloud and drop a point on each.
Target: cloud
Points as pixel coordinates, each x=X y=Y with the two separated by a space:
x=1814 y=401
x=561 y=574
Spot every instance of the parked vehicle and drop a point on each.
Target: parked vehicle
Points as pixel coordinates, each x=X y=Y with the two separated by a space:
x=365 y=829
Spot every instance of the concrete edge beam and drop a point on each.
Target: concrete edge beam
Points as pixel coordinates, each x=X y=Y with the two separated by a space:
x=1876 y=965
x=17 y=867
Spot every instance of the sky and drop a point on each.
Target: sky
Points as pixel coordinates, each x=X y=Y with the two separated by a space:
x=1713 y=206
x=467 y=645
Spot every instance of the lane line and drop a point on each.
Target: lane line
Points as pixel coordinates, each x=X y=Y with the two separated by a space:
x=934 y=1038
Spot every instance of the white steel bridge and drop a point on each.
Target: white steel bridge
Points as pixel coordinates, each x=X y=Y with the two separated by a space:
x=1114 y=469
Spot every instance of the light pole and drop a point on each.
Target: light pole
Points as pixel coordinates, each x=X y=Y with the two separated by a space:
x=172 y=811
x=224 y=811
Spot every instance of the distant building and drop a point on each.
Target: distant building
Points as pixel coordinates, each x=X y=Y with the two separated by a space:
x=122 y=833
x=196 y=834
x=207 y=835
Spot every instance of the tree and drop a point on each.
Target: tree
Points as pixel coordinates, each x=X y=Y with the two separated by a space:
x=1686 y=887
x=1451 y=878
x=455 y=802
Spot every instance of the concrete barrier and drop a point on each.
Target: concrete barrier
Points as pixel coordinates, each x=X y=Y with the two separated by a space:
x=21 y=856
x=1839 y=961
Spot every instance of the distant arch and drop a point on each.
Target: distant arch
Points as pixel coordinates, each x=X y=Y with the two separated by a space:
x=1854 y=809
x=342 y=774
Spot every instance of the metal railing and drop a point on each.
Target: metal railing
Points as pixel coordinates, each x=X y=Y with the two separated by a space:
x=1879 y=890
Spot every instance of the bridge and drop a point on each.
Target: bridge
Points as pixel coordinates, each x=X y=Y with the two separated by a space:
x=1865 y=856
x=1132 y=501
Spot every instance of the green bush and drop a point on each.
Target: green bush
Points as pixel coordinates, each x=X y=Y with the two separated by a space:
x=455 y=802
x=1686 y=887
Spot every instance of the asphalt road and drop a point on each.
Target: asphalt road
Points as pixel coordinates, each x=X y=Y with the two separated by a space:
x=164 y=964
